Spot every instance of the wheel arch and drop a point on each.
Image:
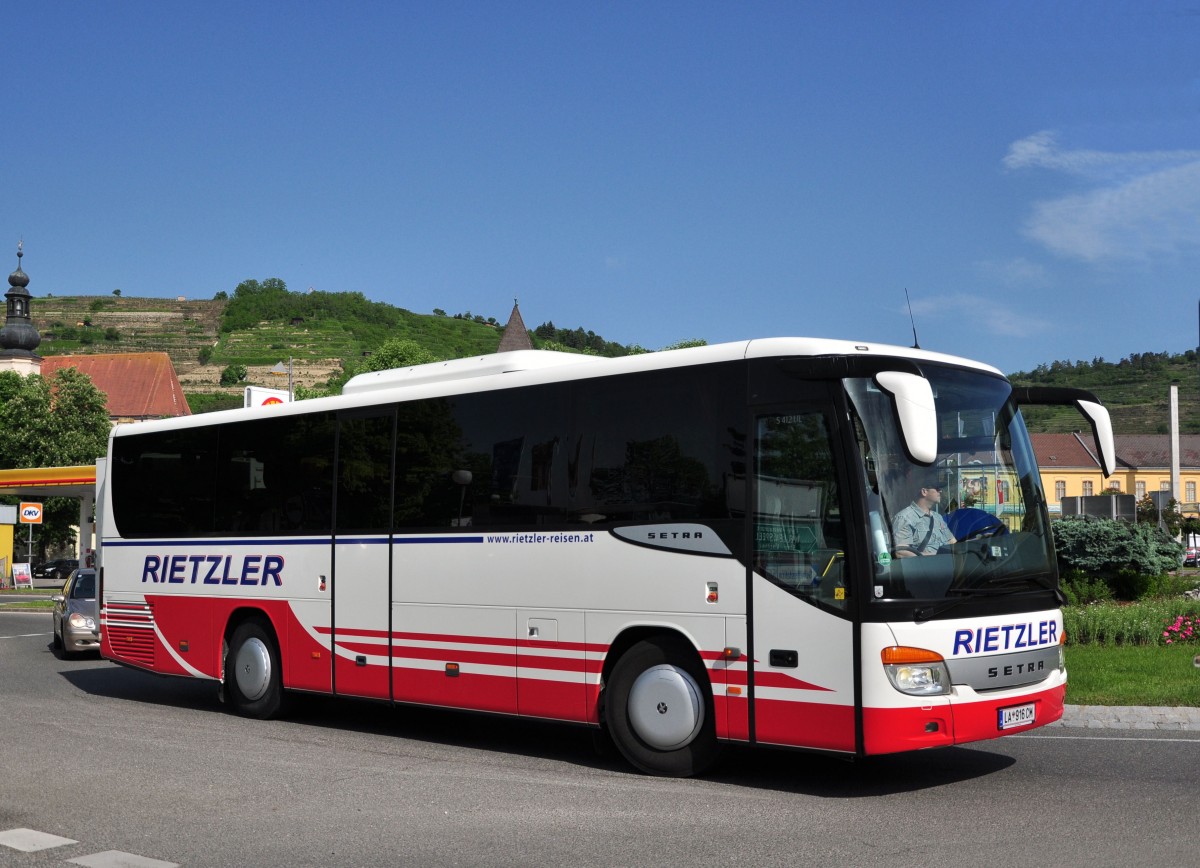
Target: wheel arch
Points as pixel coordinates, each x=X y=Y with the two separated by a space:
x=241 y=615
x=630 y=636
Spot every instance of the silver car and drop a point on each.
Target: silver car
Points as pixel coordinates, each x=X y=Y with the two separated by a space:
x=76 y=625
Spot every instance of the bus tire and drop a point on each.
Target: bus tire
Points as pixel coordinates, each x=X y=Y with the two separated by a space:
x=659 y=709
x=253 y=675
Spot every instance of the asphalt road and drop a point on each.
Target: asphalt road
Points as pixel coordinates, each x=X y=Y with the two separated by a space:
x=128 y=766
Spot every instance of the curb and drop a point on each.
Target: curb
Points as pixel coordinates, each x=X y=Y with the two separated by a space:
x=1160 y=717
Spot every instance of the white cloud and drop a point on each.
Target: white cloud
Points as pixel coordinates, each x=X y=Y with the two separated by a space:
x=980 y=312
x=1019 y=272
x=1142 y=204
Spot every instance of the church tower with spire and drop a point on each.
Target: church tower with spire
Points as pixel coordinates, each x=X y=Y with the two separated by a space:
x=18 y=338
x=516 y=336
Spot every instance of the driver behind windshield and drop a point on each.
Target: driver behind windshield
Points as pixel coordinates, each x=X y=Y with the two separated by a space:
x=917 y=529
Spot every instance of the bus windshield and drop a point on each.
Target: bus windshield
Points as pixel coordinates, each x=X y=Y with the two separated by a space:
x=971 y=524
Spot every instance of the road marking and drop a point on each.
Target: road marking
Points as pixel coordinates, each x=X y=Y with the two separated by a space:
x=26 y=635
x=117 y=859
x=1115 y=738
x=29 y=841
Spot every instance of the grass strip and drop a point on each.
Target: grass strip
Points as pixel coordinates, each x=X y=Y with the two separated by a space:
x=1133 y=675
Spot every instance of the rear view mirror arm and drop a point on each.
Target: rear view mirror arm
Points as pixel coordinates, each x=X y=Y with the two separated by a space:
x=1089 y=407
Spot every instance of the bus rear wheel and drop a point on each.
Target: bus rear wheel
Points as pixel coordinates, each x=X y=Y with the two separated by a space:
x=252 y=671
x=659 y=709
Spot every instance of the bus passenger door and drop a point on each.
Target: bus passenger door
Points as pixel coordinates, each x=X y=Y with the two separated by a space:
x=362 y=554
x=803 y=637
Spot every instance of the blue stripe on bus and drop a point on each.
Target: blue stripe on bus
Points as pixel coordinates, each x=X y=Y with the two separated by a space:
x=438 y=539
x=225 y=543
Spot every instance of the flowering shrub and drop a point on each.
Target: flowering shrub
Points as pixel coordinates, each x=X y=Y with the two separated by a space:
x=1149 y=622
x=1185 y=628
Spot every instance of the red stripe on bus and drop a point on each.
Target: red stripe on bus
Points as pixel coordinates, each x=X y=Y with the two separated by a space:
x=776 y=679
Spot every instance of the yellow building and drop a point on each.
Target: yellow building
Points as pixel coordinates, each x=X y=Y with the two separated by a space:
x=6 y=552
x=1069 y=467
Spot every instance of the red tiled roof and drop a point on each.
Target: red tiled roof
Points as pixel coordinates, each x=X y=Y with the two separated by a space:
x=1136 y=451
x=138 y=385
x=1062 y=450
x=1154 y=450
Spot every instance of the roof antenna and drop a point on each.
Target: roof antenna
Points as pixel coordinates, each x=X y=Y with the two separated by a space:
x=916 y=345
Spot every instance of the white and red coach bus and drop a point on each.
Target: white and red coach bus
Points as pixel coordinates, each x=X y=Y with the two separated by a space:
x=686 y=548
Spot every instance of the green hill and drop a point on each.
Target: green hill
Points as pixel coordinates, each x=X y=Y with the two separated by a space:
x=262 y=325
x=1136 y=391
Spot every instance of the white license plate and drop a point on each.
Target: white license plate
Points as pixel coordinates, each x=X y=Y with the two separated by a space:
x=1017 y=715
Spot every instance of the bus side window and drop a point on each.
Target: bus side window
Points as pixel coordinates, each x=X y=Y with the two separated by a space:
x=654 y=446
x=799 y=539
x=430 y=448
x=276 y=476
x=364 y=478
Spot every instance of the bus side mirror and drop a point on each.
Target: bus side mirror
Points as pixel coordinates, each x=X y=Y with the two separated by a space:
x=912 y=396
x=1102 y=433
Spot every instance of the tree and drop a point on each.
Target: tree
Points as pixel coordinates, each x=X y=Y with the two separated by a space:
x=396 y=353
x=233 y=374
x=117 y=293
x=1169 y=517
x=57 y=422
x=1115 y=550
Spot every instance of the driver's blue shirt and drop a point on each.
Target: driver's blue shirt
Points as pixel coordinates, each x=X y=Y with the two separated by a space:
x=910 y=527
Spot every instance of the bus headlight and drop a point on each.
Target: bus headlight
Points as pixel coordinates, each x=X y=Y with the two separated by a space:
x=916 y=671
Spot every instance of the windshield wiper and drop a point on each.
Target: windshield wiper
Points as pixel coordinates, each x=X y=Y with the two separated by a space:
x=1010 y=580
x=995 y=590
x=964 y=594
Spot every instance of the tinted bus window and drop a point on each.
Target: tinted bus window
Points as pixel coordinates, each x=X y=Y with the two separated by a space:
x=162 y=483
x=275 y=476
x=660 y=446
x=364 y=483
x=484 y=459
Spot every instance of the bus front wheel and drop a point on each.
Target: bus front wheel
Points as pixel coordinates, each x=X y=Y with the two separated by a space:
x=659 y=709
x=252 y=671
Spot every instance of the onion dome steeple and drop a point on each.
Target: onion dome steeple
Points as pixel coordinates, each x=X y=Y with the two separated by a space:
x=18 y=338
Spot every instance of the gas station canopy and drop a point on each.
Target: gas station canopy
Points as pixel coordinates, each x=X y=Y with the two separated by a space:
x=49 y=481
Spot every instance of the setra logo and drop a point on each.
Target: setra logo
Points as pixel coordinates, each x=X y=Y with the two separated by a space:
x=31 y=513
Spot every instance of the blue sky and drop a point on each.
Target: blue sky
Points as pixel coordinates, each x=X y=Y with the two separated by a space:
x=654 y=172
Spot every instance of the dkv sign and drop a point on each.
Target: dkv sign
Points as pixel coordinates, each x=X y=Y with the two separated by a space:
x=31 y=513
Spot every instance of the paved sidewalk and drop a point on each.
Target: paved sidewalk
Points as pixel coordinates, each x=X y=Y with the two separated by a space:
x=1130 y=717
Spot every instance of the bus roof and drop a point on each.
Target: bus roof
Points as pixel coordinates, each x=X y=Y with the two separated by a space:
x=528 y=360
x=528 y=367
